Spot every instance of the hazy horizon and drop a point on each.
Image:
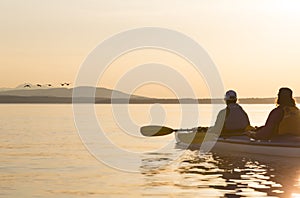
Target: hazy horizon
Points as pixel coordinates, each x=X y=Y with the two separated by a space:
x=19 y=89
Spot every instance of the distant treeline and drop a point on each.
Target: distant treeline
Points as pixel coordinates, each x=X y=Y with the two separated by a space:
x=68 y=100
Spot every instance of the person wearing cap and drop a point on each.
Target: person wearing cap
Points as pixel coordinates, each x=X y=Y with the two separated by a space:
x=284 y=120
x=232 y=120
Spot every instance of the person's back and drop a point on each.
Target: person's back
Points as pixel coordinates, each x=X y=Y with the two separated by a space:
x=283 y=120
x=232 y=119
x=290 y=123
x=236 y=119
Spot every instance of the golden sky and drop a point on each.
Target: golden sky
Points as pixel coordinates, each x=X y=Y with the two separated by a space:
x=255 y=44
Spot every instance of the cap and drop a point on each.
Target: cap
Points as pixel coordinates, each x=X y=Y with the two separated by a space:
x=230 y=95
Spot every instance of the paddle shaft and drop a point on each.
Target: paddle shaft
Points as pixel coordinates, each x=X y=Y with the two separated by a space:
x=155 y=130
x=175 y=130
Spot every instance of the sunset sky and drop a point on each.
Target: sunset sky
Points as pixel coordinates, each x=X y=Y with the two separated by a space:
x=255 y=44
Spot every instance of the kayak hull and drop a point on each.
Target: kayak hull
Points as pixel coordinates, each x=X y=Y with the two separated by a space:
x=241 y=144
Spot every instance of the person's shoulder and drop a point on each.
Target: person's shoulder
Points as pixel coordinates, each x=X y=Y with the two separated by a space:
x=277 y=110
x=236 y=105
x=239 y=105
x=222 y=111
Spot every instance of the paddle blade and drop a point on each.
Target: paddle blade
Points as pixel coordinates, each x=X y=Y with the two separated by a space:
x=154 y=130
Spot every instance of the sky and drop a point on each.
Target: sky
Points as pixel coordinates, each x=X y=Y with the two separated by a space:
x=255 y=44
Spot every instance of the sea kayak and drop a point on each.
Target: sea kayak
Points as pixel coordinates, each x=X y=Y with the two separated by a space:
x=287 y=146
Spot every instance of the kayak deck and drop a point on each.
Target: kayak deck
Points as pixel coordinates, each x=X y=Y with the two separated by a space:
x=285 y=146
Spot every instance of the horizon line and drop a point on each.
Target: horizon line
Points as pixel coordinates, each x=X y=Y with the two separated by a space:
x=150 y=97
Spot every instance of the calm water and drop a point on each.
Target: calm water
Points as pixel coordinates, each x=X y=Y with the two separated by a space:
x=42 y=155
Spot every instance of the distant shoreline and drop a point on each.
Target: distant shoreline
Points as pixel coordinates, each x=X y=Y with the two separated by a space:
x=5 y=99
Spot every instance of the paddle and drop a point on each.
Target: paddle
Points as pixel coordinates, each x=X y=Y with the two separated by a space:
x=156 y=130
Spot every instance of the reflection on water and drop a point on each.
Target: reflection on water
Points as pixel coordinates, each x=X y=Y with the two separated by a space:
x=216 y=175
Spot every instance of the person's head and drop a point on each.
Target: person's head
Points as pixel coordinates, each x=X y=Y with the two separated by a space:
x=230 y=97
x=285 y=97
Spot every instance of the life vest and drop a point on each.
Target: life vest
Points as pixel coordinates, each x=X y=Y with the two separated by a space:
x=290 y=123
x=236 y=118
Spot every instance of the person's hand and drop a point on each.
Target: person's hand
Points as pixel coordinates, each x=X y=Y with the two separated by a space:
x=251 y=134
x=195 y=129
x=250 y=128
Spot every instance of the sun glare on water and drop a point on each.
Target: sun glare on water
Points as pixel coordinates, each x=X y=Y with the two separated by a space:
x=295 y=195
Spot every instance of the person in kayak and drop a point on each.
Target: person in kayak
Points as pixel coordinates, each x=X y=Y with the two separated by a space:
x=232 y=120
x=284 y=120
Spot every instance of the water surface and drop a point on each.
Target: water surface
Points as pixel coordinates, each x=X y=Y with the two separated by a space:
x=42 y=155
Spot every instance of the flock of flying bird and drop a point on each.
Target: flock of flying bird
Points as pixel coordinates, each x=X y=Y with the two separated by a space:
x=48 y=85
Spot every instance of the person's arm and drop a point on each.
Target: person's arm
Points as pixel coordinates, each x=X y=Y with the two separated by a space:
x=248 y=120
x=271 y=125
x=217 y=128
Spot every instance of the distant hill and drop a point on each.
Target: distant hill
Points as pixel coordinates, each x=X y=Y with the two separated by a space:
x=102 y=95
x=67 y=93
